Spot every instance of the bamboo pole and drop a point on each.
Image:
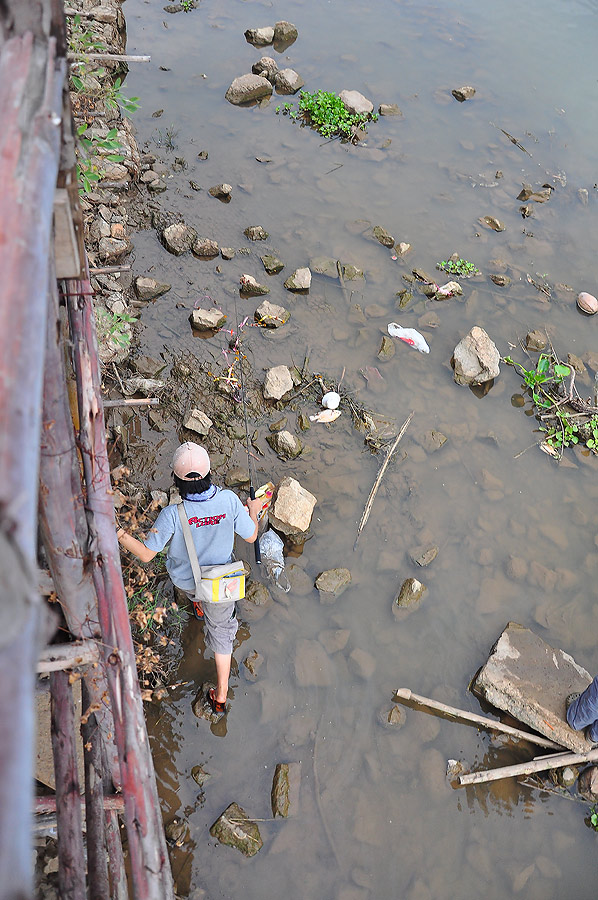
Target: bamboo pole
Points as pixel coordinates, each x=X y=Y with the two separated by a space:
x=32 y=75
x=118 y=57
x=97 y=867
x=556 y=761
x=114 y=848
x=63 y=520
x=150 y=869
x=111 y=803
x=67 y=656
x=483 y=721
x=146 y=401
x=71 y=861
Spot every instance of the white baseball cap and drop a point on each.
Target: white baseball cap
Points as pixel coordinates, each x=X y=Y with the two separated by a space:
x=190 y=461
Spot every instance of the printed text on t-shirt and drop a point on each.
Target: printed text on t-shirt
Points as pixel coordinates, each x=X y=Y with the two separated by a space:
x=207 y=520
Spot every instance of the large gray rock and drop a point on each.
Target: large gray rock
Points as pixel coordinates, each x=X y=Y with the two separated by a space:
x=277 y=383
x=288 y=81
x=300 y=280
x=149 y=288
x=260 y=37
x=205 y=248
x=332 y=583
x=270 y=315
x=356 y=103
x=285 y=789
x=178 y=238
x=285 y=33
x=292 y=507
x=247 y=88
x=529 y=679
x=207 y=319
x=197 y=421
x=285 y=444
x=476 y=359
x=234 y=828
x=324 y=265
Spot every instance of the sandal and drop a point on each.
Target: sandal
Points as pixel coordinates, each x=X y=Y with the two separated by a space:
x=197 y=610
x=218 y=708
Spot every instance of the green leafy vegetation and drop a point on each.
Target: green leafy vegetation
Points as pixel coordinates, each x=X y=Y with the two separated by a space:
x=187 y=5
x=325 y=112
x=459 y=267
x=114 y=328
x=593 y=818
x=548 y=372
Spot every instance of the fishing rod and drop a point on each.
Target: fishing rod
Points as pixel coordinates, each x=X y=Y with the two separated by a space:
x=256 y=545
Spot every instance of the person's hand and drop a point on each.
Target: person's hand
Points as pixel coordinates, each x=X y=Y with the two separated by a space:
x=255 y=506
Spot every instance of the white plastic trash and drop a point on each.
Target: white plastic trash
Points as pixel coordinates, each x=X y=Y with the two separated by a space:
x=331 y=400
x=271 y=550
x=409 y=336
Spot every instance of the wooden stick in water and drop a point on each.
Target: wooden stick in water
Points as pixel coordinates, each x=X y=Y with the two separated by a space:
x=376 y=485
x=556 y=761
x=483 y=721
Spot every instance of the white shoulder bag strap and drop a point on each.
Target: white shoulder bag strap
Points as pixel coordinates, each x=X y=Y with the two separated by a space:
x=195 y=567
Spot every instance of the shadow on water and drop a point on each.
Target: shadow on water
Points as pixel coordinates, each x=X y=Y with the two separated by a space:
x=515 y=532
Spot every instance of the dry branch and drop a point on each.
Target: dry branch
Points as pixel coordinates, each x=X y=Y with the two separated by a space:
x=558 y=761
x=67 y=656
x=97 y=867
x=376 y=485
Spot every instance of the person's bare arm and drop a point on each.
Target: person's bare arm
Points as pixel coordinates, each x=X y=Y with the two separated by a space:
x=130 y=543
x=254 y=507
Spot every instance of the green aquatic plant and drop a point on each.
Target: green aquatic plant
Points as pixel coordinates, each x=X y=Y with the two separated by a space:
x=547 y=372
x=326 y=112
x=460 y=267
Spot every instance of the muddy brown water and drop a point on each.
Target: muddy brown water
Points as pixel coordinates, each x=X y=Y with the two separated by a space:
x=377 y=817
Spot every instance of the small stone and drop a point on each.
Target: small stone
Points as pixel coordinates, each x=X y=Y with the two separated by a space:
x=266 y=67
x=277 y=383
x=197 y=421
x=270 y=315
x=272 y=264
x=256 y=233
x=234 y=828
x=588 y=784
x=361 y=664
x=253 y=663
x=237 y=476
x=285 y=444
x=160 y=498
x=526 y=211
x=583 y=196
x=587 y=303
x=450 y=289
x=207 y=319
x=177 y=832
x=356 y=103
x=256 y=602
x=148 y=288
x=178 y=238
x=112 y=249
x=334 y=639
x=324 y=265
x=300 y=280
x=288 y=81
x=352 y=273
x=425 y=557
x=433 y=440
x=156 y=187
x=332 y=583
x=303 y=422
x=227 y=252
x=387 y=349
x=250 y=287
x=463 y=93
x=278 y=426
x=389 y=109
x=221 y=191
x=247 y=89
x=392 y=716
x=500 y=280
x=260 y=37
x=205 y=248
x=285 y=33
x=148 y=176
x=492 y=222
x=292 y=508
x=285 y=789
x=402 y=248
x=199 y=775
x=382 y=236
x=535 y=341
x=410 y=593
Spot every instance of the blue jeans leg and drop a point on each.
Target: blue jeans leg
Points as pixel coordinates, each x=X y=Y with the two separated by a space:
x=584 y=710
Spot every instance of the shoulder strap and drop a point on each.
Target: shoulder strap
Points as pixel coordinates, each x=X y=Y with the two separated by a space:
x=195 y=567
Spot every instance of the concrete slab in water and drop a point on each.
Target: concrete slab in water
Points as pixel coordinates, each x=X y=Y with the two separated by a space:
x=529 y=679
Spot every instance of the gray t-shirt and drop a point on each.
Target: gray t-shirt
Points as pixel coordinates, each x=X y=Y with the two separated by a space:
x=213 y=522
